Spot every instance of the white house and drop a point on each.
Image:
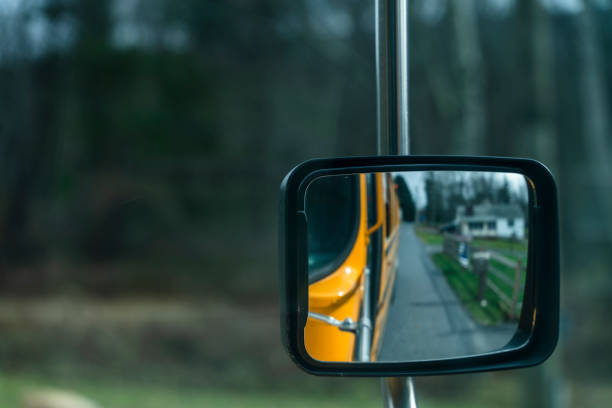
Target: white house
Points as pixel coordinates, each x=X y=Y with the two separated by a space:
x=491 y=221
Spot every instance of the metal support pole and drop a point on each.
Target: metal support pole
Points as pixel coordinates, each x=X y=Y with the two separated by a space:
x=391 y=25
x=403 y=130
x=365 y=324
x=398 y=392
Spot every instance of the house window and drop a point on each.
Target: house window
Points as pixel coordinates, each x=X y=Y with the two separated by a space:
x=475 y=225
x=491 y=225
x=510 y=222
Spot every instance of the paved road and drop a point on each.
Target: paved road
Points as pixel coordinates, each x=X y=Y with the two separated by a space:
x=426 y=320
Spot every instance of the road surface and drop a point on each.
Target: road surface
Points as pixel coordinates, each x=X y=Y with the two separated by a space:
x=426 y=319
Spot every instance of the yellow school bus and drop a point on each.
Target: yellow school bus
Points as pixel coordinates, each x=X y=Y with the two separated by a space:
x=353 y=229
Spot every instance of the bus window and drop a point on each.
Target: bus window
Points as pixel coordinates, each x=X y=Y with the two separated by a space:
x=332 y=213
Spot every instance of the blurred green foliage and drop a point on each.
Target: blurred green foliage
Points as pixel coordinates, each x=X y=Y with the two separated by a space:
x=166 y=157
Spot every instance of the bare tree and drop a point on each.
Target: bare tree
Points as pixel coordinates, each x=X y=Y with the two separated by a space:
x=472 y=136
x=595 y=119
x=543 y=87
x=543 y=384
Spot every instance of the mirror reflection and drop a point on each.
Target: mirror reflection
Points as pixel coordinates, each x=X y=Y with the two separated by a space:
x=414 y=265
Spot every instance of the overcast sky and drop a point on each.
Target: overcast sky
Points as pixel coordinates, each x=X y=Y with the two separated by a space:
x=416 y=183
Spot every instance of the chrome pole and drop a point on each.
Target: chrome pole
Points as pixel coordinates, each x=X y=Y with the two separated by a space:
x=393 y=136
x=403 y=131
x=392 y=59
x=398 y=392
x=364 y=330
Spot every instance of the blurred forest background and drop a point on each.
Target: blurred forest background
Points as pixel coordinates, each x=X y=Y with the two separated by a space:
x=143 y=142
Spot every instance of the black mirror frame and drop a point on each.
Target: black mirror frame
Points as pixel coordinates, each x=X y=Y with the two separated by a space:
x=538 y=326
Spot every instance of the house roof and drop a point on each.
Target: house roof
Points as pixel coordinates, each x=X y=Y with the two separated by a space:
x=506 y=211
x=490 y=211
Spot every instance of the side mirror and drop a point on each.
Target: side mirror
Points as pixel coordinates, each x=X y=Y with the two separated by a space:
x=415 y=265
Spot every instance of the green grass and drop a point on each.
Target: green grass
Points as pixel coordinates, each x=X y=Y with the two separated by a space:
x=429 y=236
x=509 y=272
x=465 y=285
x=113 y=394
x=151 y=353
x=515 y=250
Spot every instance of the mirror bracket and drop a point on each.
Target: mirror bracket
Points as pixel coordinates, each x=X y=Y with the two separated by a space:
x=347 y=325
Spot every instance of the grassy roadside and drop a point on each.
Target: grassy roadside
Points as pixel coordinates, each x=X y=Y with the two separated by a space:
x=94 y=349
x=508 y=272
x=183 y=353
x=515 y=250
x=113 y=394
x=465 y=285
x=429 y=236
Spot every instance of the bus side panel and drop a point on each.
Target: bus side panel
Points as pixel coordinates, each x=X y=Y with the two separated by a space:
x=389 y=267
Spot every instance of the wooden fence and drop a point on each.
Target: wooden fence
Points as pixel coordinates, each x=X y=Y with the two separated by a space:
x=478 y=261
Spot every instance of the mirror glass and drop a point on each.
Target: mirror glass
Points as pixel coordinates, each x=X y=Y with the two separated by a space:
x=414 y=266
